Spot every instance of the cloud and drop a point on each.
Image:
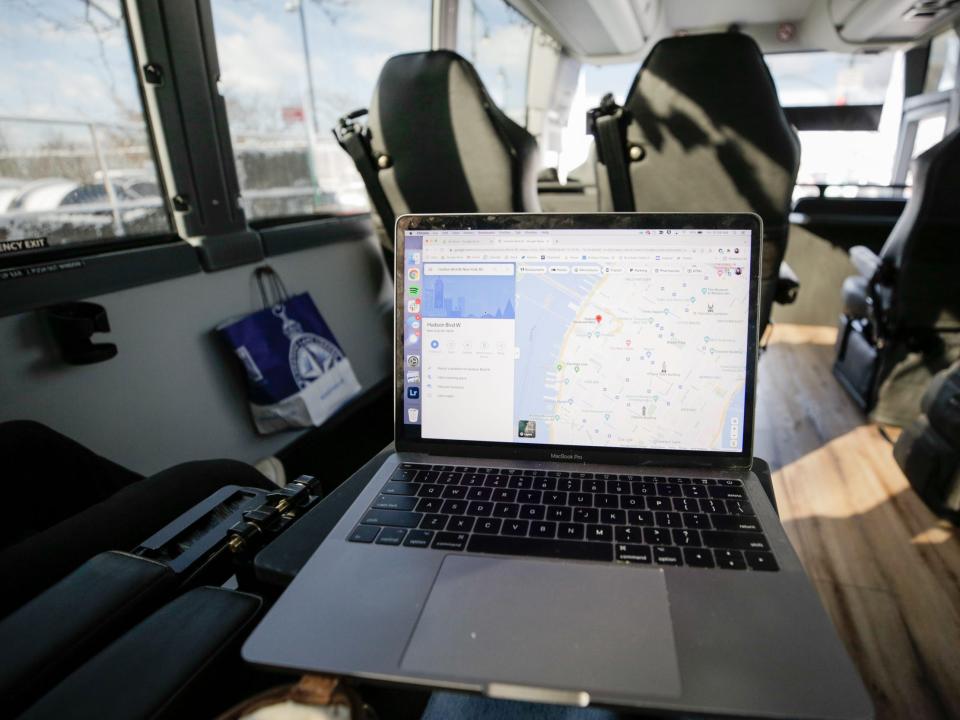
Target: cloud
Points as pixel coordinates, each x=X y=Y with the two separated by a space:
x=501 y=61
x=508 y=46
x=55 y=65
x=388 y=22
x=368 y=67
x=53 y=89
x=258 y=56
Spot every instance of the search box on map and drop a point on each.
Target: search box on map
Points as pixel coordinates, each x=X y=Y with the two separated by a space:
x=437 y=268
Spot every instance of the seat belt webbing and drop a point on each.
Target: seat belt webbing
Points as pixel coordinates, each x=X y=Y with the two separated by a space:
x=613 y=152
x=355 y=140
x=606 y=123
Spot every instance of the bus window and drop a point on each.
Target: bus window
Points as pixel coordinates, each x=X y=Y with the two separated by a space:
x=924 y=129
x=496 y=39
x=76 y=162
x=842 y=157
x=602 y=79
x=942 y=65
x=289 y=70
x=925 y=116
x=594 y=82
x=929 y=132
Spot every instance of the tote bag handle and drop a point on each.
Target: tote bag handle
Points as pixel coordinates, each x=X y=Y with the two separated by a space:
x=270 y=284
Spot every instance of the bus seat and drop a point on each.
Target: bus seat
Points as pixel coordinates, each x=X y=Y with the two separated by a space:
x=151 y=671
x=60 y=628
x=706 y=133
x=442 y=145
x=901 y=317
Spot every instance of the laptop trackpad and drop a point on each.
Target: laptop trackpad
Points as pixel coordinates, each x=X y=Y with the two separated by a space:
x=541 y=623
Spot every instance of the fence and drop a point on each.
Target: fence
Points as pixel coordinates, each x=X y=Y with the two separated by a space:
x=74 y=180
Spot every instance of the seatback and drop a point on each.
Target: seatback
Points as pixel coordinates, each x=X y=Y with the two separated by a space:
x=449 y=148
x=924 y=245
x=714 y=138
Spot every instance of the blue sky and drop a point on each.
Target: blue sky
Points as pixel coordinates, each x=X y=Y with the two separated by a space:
x=262 y=60
x=60 y=59
x=601 y=79
x=53 y=65
x=496 y=39
x=57 y=60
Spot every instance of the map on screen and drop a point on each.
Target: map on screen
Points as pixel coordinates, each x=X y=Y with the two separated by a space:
x=613 y=338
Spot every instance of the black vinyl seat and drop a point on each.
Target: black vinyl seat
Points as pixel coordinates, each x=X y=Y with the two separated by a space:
x=706 y=133
x=440 y=144
x=901 y=319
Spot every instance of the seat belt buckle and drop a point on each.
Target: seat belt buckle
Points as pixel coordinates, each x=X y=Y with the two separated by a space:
x=346 y=125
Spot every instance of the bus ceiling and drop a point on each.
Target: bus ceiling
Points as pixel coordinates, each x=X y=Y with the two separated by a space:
x=617 y=31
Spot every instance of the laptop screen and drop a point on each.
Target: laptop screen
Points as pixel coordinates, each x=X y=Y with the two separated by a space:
x=616 y=338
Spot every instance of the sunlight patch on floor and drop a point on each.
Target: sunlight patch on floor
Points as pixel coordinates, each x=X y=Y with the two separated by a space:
x=803 y=334
x=886 y=568
x=935 y=535
x=840 y=479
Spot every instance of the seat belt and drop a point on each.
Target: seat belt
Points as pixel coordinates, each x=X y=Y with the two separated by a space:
x=354 y=137
x=606 y=123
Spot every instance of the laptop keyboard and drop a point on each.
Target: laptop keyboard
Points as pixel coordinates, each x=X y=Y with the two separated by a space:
x=698 y=522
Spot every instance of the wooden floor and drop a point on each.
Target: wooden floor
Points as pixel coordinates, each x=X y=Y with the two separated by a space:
x=888 y=570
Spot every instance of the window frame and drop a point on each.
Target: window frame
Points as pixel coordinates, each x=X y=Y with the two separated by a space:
x=915 y=109
x=955 y=30
x=918 y=105
x=209 y=230
x=50 y=280
x=37 y=278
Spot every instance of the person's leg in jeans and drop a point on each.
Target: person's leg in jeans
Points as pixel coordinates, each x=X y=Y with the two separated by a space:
x=113 y=521
x=449 y=705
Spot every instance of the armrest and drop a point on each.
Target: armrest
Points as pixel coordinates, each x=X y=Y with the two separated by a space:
x=57 y=630
x=144 y=672
x=864 y=260
x=282 y=559
x=788 y=285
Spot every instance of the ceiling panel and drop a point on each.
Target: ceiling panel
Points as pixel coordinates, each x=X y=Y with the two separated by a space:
x=708 y=13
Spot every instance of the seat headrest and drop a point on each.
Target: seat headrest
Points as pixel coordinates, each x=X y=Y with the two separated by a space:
x=714 y=91
x=726 y=76
x=451 y=148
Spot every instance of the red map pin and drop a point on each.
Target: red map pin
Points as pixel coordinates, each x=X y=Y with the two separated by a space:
x=599 y=318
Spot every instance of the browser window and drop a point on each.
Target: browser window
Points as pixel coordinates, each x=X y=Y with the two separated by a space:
x=612 y=338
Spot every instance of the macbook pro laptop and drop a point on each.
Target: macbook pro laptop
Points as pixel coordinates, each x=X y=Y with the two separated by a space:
x=570 y=514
